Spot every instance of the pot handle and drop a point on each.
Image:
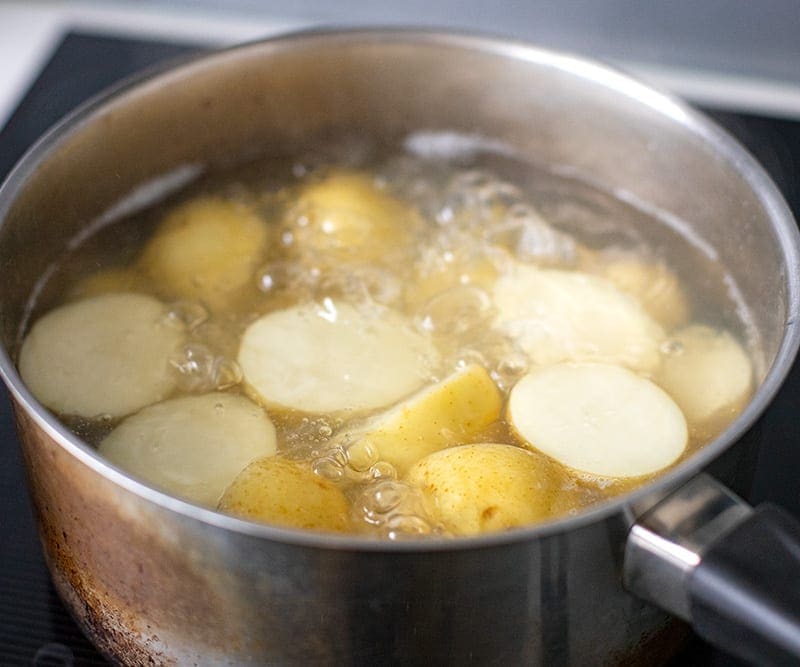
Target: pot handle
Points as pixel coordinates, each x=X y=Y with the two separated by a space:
x=731 y=570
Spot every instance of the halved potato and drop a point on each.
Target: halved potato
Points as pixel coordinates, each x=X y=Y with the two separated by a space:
x=331 y=357
x=559 y=316
x=651 y=284
x=206 y=249
x=485 y=487
x=346 y=216
x=286 y=493
x=194 y=446
x=105 y=355
x=709 y=376
x=443 y=414
x=598 y=419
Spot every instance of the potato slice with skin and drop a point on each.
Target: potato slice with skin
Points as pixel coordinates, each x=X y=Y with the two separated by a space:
x=206 y=249
x=347 y=217
x=286 y=493
x=557 y=316
x=651 y=284
x=438 y=416
x=485 y=487
x=106 y=355
x=332 y=357
x=709 y=376
x=107 y=281
x=192 y=447
x=598 y=419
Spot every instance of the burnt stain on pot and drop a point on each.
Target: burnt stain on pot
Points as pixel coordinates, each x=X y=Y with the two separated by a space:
x=121 y=597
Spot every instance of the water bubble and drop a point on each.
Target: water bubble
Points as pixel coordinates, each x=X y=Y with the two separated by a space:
x=282 y=275
x=404 y=526
x=385 y=496
x=189 y=314
x=455 y=311
x=672 y=348
x=329 y=468
x=361 y=456
x=382 y=470
x=309 y=437
x=199 y=370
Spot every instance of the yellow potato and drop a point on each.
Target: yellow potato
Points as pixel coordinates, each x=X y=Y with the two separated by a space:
x=106 y=281
x=346 y=217
x=330 y=357
x=485 y=487
x=286 y=493
x=709 y=376
x=651 y=284
x=479 y=271
x=105 y=355
x=207 y=249
x=598 y=419
x=556 y=316
x=194 y=446
x=450 y=411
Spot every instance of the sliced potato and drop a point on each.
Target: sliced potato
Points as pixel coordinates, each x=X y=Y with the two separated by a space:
x=651 y=284
x=331 y=357
x=485 y=487
x=450 y=411
x=709 y=376
x=206 y=249
x=106 y=281
x=193 y=447
x=286 y=493
x=598 y=419
x=559 y=316
x=347 y=217
x=105 y=355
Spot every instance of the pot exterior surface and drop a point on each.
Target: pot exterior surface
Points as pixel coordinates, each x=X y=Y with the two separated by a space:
x=152 y=581
x=146 y=584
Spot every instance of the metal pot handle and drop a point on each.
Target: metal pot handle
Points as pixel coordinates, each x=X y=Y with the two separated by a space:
x=731 y=570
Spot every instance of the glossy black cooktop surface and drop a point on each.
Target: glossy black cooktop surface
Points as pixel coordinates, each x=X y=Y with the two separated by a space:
x=34 y=627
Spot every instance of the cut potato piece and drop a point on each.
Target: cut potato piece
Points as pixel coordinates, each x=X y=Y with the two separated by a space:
x=598 y=419
x=709 y=376
x=286 y=493
x=107 y=281
x=206 y=249
x=331 y=357
x=193 y=447
x=651 y=284
x=347 y=217
x=485 y=487
x=106 y=355
x=450 y=411
x=559 y=316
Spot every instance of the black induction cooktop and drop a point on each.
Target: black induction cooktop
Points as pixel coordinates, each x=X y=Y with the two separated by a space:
x=35 y=629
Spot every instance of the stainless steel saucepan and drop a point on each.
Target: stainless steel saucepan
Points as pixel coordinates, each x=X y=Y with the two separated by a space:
x=154 y=580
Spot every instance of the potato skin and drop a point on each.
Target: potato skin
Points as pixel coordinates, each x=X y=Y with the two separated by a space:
x=206 y=249
x=347 y=218
x=485 y=487
x=286 y=493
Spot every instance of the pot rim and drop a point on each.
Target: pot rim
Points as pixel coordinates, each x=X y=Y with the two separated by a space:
x=676 y=110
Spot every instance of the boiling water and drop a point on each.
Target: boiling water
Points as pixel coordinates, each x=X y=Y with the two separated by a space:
x=482 y=209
